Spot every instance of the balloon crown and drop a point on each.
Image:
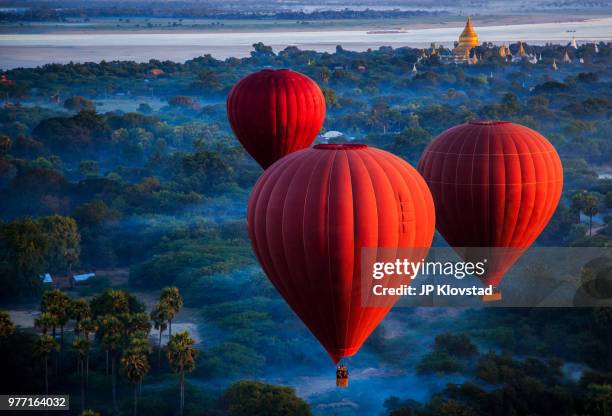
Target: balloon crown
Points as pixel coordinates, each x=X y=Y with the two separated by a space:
x=340 y=146
x=276 y=70
x=488 y=122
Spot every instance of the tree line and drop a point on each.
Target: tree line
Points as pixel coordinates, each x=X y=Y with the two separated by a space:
x=115 y=322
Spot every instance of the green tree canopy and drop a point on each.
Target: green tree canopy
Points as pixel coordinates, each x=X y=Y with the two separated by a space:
x=252 y=398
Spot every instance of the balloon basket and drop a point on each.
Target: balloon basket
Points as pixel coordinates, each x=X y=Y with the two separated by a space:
x=342 y=378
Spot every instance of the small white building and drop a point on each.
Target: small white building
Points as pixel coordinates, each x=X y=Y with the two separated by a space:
x=333 y=135
x=82 y=278
x=46 y=279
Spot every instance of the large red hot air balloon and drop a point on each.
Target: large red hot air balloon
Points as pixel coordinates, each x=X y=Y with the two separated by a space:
x=495 y=184
x=275 y=112
x=312 y=212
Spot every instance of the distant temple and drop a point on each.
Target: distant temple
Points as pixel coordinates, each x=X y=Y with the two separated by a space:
x=573 y=43
x=522 y=55
x=473 y=60
x=467 y=40
x=433 y=48
x=566 y=58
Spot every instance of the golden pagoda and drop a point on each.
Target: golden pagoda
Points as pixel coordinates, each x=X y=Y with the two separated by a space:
x=502 y=51
x=521 y=51
x=573 y=43
x=467 y=40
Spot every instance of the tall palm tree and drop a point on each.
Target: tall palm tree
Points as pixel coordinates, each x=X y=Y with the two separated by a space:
x=591 y=208
x=136 y=323
x=135 y=364
x=119 y=301
x=6 y=325
x=182 y=355
x=112 y=330
x=85 y=327
x=44 y=346
x=159 y=316
x=79 y=310
x=47 y=301
x=82 y=346
x=45 y=322
x=171 y=297
x=58 y=304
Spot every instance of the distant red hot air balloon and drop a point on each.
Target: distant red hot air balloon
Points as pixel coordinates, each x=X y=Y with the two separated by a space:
x=495 y=184
x=312 y=212
x=275 y=112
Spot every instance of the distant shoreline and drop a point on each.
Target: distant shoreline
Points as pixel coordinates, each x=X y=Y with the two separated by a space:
x=115 y=26
x=36 y=49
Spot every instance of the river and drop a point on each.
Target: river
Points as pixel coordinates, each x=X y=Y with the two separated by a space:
x=30 y=50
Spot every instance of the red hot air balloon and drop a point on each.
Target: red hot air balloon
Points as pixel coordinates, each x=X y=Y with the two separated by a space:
x=495 y=184
x=312 y=212
x=275 y=112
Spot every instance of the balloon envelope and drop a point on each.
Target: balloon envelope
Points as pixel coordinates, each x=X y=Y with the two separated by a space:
x=495 y=185
x=275 y=112
x=309 y=216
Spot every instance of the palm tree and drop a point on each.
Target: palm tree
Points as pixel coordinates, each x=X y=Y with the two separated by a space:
x=79 y=310
x=119 y=301
x=181 y=355
x=85 y=327
x=44 y=346
x=82 y=346
x=6 y=325
x=171 y=297
x=45 y=322
x=135 y=364
x=136 y=323
x=112 y=330
x=106 y=324
x=591 y=208
x=58 y=304
x=159 y=316
x=47 y=300
x=588 y=203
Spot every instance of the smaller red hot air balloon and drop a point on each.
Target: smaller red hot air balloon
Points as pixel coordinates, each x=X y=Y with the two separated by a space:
x=495 y=185
x=309 y=217
x=275 y=112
